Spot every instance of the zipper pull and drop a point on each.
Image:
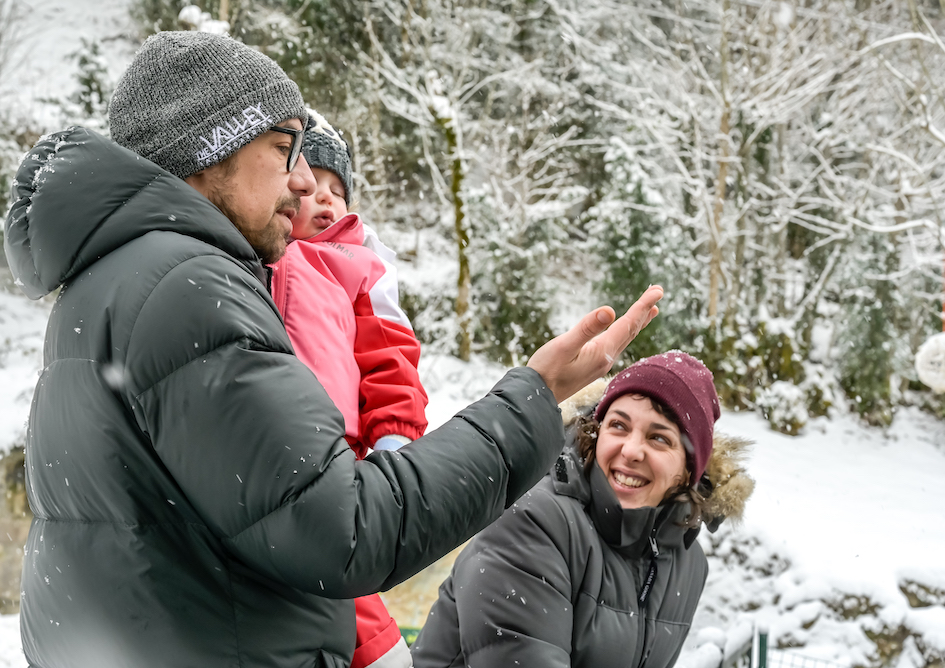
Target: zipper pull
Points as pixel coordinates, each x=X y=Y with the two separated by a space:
x=653 y=547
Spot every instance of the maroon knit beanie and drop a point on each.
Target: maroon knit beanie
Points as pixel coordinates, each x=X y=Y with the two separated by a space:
x=685 y=385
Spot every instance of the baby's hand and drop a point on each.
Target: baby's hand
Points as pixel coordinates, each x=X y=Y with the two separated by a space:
x=391 y=442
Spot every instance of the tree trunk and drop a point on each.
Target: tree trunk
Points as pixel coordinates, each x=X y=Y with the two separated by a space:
x=464 y=280
x=715 y=223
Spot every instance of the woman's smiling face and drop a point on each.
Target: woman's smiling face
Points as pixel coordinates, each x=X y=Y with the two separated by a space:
x=640 y=452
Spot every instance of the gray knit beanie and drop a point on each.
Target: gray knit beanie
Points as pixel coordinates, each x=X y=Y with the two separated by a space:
x=190 y=99
x=324 y=148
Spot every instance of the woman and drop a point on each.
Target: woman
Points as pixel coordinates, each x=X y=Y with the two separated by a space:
x=598 y=566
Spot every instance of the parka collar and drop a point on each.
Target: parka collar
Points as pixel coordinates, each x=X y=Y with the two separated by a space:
x=627 y=531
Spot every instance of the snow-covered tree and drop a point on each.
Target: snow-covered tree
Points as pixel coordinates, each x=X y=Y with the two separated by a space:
x=641 y=240
x=754 y=158
x=95 y=88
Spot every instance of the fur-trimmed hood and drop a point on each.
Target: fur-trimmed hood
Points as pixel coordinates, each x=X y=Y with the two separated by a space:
x=726 y=470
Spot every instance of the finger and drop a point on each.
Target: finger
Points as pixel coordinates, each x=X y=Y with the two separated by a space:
x=588 y=327
x=655 y=311
x=642 y=312
x=605 y=316
x=629 y=325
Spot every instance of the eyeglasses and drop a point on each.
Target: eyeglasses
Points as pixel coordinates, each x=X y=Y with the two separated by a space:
x=296 y=150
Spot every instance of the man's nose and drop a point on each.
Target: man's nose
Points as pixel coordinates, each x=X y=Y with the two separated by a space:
x=301 y=180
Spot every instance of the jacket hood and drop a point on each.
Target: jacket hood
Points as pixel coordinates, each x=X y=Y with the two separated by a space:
x=731 y=484
x=77 y=196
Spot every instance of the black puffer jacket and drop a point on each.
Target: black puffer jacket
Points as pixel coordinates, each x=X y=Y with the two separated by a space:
x=555 y=583
x=196 y=503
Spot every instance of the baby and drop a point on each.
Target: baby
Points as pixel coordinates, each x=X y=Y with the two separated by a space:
x=336 y=288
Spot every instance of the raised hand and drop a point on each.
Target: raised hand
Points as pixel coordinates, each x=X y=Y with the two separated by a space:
x=588 y=350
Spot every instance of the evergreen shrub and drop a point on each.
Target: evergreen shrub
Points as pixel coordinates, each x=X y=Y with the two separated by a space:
x=510 y=300
x=784 y=405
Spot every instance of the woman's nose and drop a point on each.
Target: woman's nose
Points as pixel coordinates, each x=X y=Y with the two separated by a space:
x=633 y=448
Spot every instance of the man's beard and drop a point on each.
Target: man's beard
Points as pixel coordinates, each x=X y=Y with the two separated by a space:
x=269 y=242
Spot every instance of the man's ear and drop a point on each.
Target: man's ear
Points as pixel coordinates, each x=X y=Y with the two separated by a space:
x=201 y=181
x=210 y=179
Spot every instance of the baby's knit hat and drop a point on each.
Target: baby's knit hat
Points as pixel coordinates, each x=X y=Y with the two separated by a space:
x=190 y=99
x=685 y=385
x=325 y=149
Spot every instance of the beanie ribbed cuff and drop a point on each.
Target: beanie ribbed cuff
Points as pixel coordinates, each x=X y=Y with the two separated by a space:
x=323 y=148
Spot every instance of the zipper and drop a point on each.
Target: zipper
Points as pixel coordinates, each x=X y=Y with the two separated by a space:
x=651 y=573
x=645 y=594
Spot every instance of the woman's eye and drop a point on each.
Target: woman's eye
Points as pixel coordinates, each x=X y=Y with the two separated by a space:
x=659 y=438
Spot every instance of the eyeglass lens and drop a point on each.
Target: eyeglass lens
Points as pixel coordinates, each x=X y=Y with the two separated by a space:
x=296 y=149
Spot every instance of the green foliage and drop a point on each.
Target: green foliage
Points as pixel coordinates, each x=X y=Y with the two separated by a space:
x=820 y=389
x=152 y=16
x=316 y=42
x=15 y=138
x=867 y=341
x=639 y=245
x=783 y=405
x=429 y=316
x=94 y=84
x=747 y=359
x=511 y=302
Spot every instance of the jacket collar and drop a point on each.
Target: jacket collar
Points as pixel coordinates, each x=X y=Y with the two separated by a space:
x=627 y=531
x=347 y=229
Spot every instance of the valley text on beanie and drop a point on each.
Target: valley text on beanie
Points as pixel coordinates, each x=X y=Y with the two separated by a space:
x=191 y=99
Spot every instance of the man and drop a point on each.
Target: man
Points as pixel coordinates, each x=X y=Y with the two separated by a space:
x=195 y=501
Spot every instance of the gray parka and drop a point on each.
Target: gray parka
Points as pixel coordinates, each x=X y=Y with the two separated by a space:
x=556 y=581
x=195 y=501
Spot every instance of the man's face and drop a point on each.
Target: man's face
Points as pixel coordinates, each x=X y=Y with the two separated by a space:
x=254 y=190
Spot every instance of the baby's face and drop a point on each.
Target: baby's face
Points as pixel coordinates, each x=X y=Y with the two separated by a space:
x=322 y=208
